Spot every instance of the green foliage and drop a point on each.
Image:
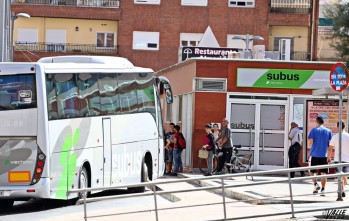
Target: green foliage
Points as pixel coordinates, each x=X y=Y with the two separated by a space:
x=339 y=13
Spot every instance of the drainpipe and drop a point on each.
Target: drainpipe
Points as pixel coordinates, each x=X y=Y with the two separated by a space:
x=313 y=22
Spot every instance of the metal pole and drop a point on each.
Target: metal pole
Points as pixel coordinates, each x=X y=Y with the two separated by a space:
x=13 y=18
x=291 y=196
x=156 y=204
x=340 y=131
x=223 y=195
x=85 y=210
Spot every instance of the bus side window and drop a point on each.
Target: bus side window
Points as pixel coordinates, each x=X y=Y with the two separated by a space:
x=52 y=108
x=67 y=96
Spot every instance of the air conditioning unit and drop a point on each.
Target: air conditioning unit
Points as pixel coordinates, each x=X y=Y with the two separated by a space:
x=208 y=84
x=258 y=51
x=272 y=55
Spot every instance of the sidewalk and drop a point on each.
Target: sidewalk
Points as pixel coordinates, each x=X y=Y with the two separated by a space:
x=274 y=193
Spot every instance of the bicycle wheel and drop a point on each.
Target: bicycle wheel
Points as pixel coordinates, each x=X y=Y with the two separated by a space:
x=202 y=165
x=215 y=163
x=242 y=167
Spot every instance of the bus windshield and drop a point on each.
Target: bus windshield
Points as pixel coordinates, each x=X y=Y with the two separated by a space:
x=17 y=91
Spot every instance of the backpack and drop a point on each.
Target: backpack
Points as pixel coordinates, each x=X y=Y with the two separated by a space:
x=181 y=141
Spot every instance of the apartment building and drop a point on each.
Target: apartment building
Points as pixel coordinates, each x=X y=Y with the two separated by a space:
x=151 y=33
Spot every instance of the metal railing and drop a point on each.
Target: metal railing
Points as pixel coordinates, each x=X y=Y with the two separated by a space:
x=64 y=48
x=153 y=186
x=82 y=3
x=300 y=56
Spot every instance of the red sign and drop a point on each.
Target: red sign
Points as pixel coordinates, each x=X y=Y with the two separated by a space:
x=339 y=77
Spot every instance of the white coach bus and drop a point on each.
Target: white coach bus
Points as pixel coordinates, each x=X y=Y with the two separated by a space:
x=78 y=121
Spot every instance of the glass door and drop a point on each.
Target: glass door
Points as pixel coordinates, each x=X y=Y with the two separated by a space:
x=272 y=136
x=242 y=124
x=260 y=127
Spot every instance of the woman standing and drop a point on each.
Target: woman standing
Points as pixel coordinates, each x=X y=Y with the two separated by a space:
x=209 y=146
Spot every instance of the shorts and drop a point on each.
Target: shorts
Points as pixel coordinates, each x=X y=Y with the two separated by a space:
x=318 y=161
x=344 y=169
x=169 y=155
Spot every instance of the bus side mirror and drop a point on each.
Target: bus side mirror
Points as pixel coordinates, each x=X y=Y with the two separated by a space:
x=168 y=93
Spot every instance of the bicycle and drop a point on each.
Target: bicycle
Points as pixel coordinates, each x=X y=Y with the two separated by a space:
x=239 y=163
x=203 y=167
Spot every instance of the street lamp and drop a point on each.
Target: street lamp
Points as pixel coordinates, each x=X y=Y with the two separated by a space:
x=13 y=18
x=247 y=39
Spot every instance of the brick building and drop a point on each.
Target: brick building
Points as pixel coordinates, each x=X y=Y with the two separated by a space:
x=151 y=33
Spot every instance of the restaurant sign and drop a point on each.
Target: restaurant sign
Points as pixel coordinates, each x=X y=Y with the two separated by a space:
x=197 y=52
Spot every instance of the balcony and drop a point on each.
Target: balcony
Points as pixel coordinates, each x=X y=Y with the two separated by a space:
x=290 y=6
x=64 y=48
x=81 y=3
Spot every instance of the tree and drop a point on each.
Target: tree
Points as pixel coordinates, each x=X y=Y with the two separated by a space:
x=339 y=14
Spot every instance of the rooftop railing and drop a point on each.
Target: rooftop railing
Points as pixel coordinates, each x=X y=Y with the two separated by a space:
x=82 y=3
x=65 y=48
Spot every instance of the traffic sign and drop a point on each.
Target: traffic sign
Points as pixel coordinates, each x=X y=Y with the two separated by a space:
x=339 y=77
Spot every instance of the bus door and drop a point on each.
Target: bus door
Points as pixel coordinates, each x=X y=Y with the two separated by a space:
x=107 y=152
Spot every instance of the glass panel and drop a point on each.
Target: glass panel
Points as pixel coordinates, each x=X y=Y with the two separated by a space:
x=110 y=40
x=89 y=95
x=146 y=96
x=243 y=139
x=51 y=97
x=271 y=158
x=273 y=117
x=17 y=92
x=108 y=88
x=272 y=140
x=128 y=96
x=100 y=39
x=67 y=96
x=242 y=116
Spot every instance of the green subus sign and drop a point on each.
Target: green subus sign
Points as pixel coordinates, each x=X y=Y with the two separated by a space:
x=282 y=78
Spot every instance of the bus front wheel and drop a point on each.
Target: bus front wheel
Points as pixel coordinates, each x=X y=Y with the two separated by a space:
x=83 y=182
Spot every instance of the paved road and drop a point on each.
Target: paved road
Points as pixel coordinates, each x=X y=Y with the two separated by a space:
x=185 y=206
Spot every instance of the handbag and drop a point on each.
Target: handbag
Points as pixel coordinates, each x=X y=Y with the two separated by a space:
x=203 y=154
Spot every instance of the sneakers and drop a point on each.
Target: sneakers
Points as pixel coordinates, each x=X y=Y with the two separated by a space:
x=168 y=173
x=343 y=194
x=218 y=173
x=316 y=188
x=208 y=174
x=173 y=174
x=322 y=192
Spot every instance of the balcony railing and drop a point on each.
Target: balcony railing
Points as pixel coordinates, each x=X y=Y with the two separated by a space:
x=290 y=6
x=64 y=48
x=300 y=56
x=83 y=3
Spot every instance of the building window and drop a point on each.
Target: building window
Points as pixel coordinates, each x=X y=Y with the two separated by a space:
x=150 y=2
x=241 y=3
x=56 y=40
x=194 y=2
x=180 y=108
x=105 y=40
x=27 y=36
x=146 y=40
x=190 y=39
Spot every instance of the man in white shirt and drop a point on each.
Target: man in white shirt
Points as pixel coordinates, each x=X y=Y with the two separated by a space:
x=295 y=136
x=334 y=143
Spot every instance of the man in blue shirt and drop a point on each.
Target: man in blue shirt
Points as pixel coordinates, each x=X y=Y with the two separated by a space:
x=319 y=138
